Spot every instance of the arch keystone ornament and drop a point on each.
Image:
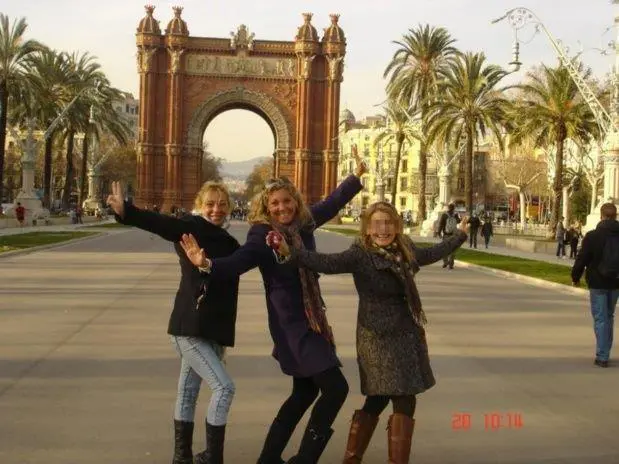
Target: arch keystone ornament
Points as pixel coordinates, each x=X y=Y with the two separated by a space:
x=185 y=82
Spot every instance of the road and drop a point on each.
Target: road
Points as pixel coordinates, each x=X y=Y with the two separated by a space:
x=88 y=376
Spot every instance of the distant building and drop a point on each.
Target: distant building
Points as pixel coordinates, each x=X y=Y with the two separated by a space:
x=129 y=107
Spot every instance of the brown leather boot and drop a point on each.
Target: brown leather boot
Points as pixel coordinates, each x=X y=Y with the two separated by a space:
x=400 y=433
x=361 y=431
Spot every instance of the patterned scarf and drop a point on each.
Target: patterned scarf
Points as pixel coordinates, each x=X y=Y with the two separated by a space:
x=315 y=310
x=406 y=273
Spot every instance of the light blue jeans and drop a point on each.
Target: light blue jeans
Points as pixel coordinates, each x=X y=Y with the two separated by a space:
x=202 y=359
x=603 y=304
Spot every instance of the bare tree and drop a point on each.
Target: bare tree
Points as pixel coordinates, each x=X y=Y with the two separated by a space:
x=520 y=169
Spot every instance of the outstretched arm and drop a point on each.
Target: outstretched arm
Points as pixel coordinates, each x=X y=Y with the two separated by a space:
x=430 y=255
x=253 y=253
x=328 y=208
x=167 y=227
x=332 y=263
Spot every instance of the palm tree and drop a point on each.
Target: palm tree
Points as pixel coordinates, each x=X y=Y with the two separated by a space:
x=551 y=111
x=49 y=80
x=400 y=130
x=414 y=73
x=14 y=49
x=469 y=106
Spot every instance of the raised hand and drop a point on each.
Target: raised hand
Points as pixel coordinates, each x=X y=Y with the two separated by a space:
x=361 y=167
x=117 y=199
x=464 y=224
x=277 y=241
x=194 y=253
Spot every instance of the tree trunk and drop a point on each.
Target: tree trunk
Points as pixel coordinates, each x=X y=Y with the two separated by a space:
x=47 y=171
x=68 y=180
x=557 y=186
x=468 y=172
x=523 y=206
x=396 y=169
x=422 y=212
x=594 y=195
x=4 y=101
x=423 y=170
x=83 y=169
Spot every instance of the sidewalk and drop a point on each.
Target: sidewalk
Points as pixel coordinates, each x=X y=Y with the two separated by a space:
x=53 y=228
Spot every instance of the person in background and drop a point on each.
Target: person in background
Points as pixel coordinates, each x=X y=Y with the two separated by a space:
x=447 y=227
x=487 y=230
x=560 y=238
x=474 y=224
x=599 y=257
x=20 y=214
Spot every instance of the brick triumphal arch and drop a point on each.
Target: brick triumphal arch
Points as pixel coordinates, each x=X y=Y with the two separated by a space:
x=186 y=81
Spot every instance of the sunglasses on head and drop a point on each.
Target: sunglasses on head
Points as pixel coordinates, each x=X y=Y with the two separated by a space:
x=277 y=182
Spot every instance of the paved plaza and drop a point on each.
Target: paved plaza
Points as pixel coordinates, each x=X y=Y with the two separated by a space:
x=88 y=376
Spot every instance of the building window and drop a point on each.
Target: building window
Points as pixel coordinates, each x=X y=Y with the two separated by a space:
x=404 y=165
x=365 y=201
x=403 y=184
x=402 y=202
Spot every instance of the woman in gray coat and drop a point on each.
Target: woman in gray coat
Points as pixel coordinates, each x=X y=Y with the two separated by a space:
x=391 y=344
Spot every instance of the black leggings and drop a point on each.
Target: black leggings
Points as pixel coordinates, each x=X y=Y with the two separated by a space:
x=333 y=390
x=375 y=405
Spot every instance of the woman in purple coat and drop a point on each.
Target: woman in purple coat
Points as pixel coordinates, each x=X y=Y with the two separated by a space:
x=303 y=342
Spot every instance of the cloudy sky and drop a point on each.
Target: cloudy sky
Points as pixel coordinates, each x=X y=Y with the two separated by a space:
x=107 y=30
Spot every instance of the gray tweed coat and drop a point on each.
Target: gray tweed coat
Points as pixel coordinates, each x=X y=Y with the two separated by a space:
x=392 y=351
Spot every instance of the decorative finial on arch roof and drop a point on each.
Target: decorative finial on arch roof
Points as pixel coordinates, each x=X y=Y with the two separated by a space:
x=307 y=17
x=335 y=17
x=178 y=10
x=150 y=9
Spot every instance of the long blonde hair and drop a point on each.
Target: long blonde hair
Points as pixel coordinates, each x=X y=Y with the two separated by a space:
x=207 y=187
x=403 y=241
x=259 y=209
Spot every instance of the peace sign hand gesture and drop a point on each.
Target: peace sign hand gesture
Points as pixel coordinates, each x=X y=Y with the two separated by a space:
x=361 y=166
x=117 y=199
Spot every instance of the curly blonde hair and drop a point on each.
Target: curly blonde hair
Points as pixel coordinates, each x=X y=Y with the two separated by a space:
x=259 y=209
x=211 y=186
x=403 y=241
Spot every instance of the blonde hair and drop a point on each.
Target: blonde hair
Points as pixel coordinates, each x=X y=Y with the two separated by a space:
x=211 y=186
x=259 y=209
x=401 y=240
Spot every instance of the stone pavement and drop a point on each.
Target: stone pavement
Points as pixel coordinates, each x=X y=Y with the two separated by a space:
x=88 y=376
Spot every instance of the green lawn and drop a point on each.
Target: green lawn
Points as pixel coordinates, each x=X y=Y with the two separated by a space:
x=528 y=267
x=33 y=239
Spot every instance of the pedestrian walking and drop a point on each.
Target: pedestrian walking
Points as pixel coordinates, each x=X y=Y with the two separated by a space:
x=447 y=228
x=560 y=238
x=474 y=224
x=599 y=260
x=487 y=231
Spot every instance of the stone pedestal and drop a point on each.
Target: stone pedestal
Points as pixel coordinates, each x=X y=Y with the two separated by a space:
x=444 y=195
x=26 y=196
x=93 y=201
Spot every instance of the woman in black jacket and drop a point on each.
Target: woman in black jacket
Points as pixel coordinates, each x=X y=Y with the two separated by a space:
x=203 y=320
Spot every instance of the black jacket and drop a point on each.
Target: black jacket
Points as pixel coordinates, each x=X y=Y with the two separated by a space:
x=216 y=317
x=443 y=223
x=590 y=256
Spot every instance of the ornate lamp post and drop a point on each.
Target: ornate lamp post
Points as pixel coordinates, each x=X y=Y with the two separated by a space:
x=608 y=123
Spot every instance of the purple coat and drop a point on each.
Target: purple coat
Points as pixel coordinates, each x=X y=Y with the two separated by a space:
x=300 y=351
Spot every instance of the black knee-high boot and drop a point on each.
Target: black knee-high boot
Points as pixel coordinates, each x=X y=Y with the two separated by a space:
x=214 y=453
x=275 y=443
x=312 y=446
x=183 y=437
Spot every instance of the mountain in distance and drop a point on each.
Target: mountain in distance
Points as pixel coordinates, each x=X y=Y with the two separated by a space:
x=240 y=169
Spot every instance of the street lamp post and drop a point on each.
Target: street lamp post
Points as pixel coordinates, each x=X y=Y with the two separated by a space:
x=608 y=123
